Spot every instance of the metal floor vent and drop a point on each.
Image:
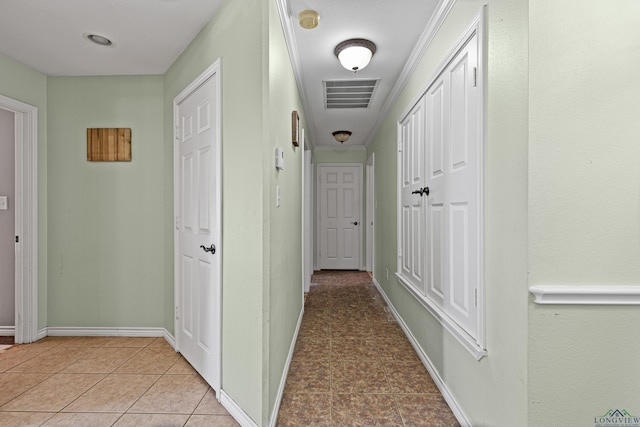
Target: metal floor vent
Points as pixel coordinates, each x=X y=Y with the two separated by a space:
x=348 y=93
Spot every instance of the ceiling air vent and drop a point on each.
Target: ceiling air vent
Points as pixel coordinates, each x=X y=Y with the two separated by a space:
x=348 y=93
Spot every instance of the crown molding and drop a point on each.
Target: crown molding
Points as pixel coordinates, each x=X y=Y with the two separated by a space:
x=429 y=33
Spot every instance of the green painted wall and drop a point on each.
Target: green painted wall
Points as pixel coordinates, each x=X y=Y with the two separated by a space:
x=283 y=283
x=239 y=36
x=584 y=204
x=339 y=156
x=492 y=391
x=29 y=86
x=105 y=218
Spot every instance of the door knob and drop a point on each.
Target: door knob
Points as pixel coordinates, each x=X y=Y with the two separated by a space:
x=355 y=223
x=211 y=249
x=421 y=191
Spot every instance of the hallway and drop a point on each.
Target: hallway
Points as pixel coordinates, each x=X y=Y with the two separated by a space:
x=353 y=365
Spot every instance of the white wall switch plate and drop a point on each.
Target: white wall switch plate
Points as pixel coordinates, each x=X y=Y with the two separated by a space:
x=4 y=203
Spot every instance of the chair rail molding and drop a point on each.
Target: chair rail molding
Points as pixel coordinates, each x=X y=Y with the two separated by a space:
x=586 y=294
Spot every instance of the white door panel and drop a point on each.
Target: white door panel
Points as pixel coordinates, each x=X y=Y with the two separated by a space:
x=339 y=216
x=198 y=275
x=413 y=202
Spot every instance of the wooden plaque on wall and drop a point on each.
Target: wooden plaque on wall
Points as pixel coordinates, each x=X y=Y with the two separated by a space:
x=109 y=144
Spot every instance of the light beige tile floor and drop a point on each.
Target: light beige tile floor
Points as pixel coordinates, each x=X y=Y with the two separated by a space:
x=103 y=381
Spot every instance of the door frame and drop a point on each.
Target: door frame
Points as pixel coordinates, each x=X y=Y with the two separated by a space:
x=307 y=209
x=318 y=202
x=213 y=72
x=370 y=213
x=26 y=218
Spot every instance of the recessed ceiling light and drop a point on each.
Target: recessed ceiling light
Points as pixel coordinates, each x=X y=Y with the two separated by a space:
x=99 y=40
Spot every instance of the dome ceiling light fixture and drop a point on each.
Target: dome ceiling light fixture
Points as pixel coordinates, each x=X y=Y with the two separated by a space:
x=355 y=54
x=99 y=40
x=308 y=19
x=341 y=135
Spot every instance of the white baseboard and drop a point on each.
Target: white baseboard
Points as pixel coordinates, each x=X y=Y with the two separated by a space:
x=41 y=334
x=7 y=331
x=283 y=380
x=62 y=331
x=170 y=339
x=446 y=394
x=236 y=411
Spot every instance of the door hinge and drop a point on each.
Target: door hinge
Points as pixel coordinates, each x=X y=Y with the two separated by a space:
x=177 y=132
x=177 y=312
x=476 y=296
x=475 y=76
x=17 y=239
x=399 y=147
x=177 y=223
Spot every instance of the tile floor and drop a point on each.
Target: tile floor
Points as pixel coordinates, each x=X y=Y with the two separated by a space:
x=103 y=381
x=353 y=366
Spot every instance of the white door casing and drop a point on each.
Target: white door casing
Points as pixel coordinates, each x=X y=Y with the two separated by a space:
x=26 y=215
x=197 y=119
x=370 y=212
x=339 y=218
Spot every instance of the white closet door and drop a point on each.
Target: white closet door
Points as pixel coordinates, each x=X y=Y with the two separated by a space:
x=412 y=199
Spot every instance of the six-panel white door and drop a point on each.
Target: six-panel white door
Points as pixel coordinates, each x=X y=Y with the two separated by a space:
x=339 y=208
x=452 y=161
x=198 y=276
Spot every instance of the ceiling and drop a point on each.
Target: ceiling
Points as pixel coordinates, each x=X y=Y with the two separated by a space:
x=395 y=26
x=47 y=35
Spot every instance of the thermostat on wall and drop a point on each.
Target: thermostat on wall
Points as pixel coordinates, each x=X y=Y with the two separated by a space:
x=279 y=158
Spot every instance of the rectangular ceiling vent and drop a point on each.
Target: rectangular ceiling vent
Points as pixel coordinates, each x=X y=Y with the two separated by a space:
x=348 y=93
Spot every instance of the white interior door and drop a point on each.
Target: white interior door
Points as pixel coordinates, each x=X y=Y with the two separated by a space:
x=198 y=305
x=339 y=205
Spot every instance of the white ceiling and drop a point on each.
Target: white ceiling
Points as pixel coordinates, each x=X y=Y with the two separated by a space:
x=395 y=26
x=149 y=35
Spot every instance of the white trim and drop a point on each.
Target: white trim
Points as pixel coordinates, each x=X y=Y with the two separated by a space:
x=26 y=213
x=468 y=342
x=7 y=331
x=437 y=379
x=429 y=33
x=42 y=333
x=370 y=208
x=587 y=294
x=285 y=373
x=236 y=411
x=65 y=331
x=341 y=148
x=213 y=71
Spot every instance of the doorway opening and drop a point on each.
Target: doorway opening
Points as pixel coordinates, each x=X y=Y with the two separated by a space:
x=25 y=202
